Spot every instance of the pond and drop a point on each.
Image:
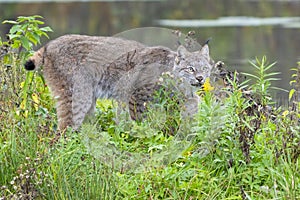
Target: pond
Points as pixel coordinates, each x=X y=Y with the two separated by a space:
x=240 y=30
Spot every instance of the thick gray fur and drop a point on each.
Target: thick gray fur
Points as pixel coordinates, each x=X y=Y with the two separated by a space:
x=79 y=69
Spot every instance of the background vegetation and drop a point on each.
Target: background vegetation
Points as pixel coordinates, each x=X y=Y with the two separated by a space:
x=240 y=147
x=233 y=44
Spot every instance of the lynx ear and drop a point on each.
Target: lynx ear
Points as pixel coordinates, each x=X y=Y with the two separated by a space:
x=181 y=51
x=204 y=51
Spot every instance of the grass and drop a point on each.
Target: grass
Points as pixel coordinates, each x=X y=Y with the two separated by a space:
x=238 y=147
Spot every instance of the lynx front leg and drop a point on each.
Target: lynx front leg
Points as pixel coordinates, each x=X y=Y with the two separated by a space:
x=190 y=107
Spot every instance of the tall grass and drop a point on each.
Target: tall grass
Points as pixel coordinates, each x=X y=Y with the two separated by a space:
x=238 y=147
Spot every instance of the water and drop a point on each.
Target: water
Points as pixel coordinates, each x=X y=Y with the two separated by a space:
x=240 y=30
x=233 y=21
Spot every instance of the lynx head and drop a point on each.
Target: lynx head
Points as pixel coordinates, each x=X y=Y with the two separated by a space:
x=193 y=67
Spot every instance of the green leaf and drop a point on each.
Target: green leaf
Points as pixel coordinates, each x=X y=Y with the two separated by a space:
x=9 y=22
x=270 y=66
x=291 y=93
x=38 y=16
x=25 y=42
x=292 y=82
x=272 y=79
x=13 y=36
x=272 y=74
x=16 y=44
x=45 y=34
x=21 y=19
x=14 y=29
x=34 y=38
x=254 y=65
x=37 y=22
x=280 y=89
x=251 y=75
x=46 y=29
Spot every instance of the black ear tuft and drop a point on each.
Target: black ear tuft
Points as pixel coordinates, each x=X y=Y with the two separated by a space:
x=29 y=65
x=207 y=41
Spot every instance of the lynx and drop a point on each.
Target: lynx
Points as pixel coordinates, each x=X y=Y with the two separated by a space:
x=79 y=69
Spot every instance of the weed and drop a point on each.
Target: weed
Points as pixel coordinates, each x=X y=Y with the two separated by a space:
x=239 y=146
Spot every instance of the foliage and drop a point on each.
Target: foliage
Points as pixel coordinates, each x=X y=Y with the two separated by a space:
x=237 y=147
x=21 y=93
x=26 y=32
x=263 y=79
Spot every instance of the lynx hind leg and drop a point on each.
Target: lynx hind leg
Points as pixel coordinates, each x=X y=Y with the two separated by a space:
x=83 y=102
x=64 y=109
x=61 y=90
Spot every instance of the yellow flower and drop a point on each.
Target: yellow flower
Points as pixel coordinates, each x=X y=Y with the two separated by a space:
x=285 y=113
x=22 y=84
x=23 y=105
x=207 y=86
x=35 y=100
x=124 y=135
x=26 y=113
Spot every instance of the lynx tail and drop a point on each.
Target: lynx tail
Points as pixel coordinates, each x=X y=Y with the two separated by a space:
x=29 y=65
x=36 y=60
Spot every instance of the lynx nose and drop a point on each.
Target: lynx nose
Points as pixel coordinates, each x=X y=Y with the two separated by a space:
x=200 y=79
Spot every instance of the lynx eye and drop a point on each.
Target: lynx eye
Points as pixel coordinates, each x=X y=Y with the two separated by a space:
x=191 y=69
